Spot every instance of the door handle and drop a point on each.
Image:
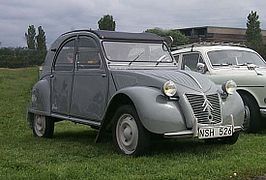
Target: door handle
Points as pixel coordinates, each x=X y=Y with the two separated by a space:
x=51 y=76
x=103 y=75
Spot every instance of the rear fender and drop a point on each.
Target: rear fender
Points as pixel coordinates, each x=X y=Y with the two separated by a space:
x=40 y=98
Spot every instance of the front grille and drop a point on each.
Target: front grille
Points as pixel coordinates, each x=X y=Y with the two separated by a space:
x=209 y=115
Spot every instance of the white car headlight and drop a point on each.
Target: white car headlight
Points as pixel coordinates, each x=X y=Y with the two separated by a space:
x=169 y=88
x=229 y=87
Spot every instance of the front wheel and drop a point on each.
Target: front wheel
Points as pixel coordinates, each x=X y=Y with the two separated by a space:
x=43 y=126
x=129 y=135
x=252 y=114
x=224 y=140
x=231 y=139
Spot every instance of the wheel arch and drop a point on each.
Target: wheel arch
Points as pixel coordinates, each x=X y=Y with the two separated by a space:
x=245 y=92
x=253 y=123
x=118 y=100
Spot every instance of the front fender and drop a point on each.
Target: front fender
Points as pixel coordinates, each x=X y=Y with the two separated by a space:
x=157 y=113
x=233 y=105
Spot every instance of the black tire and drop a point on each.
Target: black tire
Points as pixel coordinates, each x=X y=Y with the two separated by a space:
x=134 y=140
x=231 y=139
x=225 y=140
x=42 y=126
x=252 y=114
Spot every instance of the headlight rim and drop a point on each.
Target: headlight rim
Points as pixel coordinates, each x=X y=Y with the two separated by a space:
x=169 y=83
x=225 y=87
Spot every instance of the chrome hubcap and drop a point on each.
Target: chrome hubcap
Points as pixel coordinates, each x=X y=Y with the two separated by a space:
x=127 y=133
x=39 y=125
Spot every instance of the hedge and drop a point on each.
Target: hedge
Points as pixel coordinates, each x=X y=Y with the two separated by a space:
x=20 y=57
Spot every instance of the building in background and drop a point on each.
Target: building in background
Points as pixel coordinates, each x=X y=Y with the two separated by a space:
x=217 y=34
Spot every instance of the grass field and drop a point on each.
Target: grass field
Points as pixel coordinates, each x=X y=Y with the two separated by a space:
x=72 y=153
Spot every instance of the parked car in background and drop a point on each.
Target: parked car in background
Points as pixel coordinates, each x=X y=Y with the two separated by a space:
x=128 y=84
x=222 y=62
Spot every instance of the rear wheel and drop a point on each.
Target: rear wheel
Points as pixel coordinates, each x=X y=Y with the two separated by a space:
x=252 y=114
x=43 y=126
x=129 y=135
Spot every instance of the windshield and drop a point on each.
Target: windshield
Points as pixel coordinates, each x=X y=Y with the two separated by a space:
x=137 y=52
x=235 y=57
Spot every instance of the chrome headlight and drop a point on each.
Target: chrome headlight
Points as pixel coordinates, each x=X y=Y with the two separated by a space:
x=229 y=87
x=169 y=88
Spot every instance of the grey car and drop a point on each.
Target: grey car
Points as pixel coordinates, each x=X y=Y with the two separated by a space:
x=127 y=84
x=223 y=62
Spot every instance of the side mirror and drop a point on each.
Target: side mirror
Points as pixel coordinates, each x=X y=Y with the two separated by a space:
x=201 y=68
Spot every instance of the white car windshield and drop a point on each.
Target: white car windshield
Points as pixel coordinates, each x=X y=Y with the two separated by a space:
x=137 y=52
x=235 y=57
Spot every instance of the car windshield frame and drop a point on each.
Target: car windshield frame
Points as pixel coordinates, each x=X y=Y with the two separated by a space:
x=137 y=57
x=222 y=64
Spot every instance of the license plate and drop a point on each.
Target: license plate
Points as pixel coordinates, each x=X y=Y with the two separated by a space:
x=215 y=132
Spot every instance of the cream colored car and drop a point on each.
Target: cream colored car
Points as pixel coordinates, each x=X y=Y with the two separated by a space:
x=243 y=65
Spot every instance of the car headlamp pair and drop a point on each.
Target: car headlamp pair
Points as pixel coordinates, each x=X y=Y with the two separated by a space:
x=170 y=89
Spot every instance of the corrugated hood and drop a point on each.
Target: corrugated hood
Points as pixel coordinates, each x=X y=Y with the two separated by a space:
x=156 y=78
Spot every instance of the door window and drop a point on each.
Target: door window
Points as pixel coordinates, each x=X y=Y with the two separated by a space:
x=65 y=58
x=190 y=61
x=88 y=54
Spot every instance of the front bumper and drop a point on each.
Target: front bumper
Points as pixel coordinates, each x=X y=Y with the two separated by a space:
x=263 y=112
x=194 y=132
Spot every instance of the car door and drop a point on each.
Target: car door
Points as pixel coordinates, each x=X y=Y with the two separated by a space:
x=90 y=81
x=62 y=78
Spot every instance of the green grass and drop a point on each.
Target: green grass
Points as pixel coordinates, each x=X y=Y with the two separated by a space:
x=72 y=153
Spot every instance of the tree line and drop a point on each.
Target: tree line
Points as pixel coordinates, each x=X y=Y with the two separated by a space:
x=31 y=55
x=35 y=52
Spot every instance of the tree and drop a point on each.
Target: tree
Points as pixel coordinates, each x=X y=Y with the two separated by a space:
x=253 y=33
x=178 y=37
x=30 y=37
x=107 y=23
x=41 y=39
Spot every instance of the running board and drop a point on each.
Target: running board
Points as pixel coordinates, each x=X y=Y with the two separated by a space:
x=77 y=120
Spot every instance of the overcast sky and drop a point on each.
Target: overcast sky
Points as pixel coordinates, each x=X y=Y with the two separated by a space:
x=59 y=16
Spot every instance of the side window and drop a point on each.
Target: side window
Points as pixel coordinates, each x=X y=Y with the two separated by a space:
x=201 y=60
x=65 y=58
x=176 y=56
x=190 y=61
x=88 y=54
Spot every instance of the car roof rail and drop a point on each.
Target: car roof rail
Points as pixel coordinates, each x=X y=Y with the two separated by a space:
x=206 y=43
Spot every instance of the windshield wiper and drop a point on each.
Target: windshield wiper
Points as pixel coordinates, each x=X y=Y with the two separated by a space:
x=160 y=60
x=135 y=58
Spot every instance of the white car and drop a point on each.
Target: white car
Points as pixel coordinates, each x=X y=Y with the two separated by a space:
x=223 y=62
